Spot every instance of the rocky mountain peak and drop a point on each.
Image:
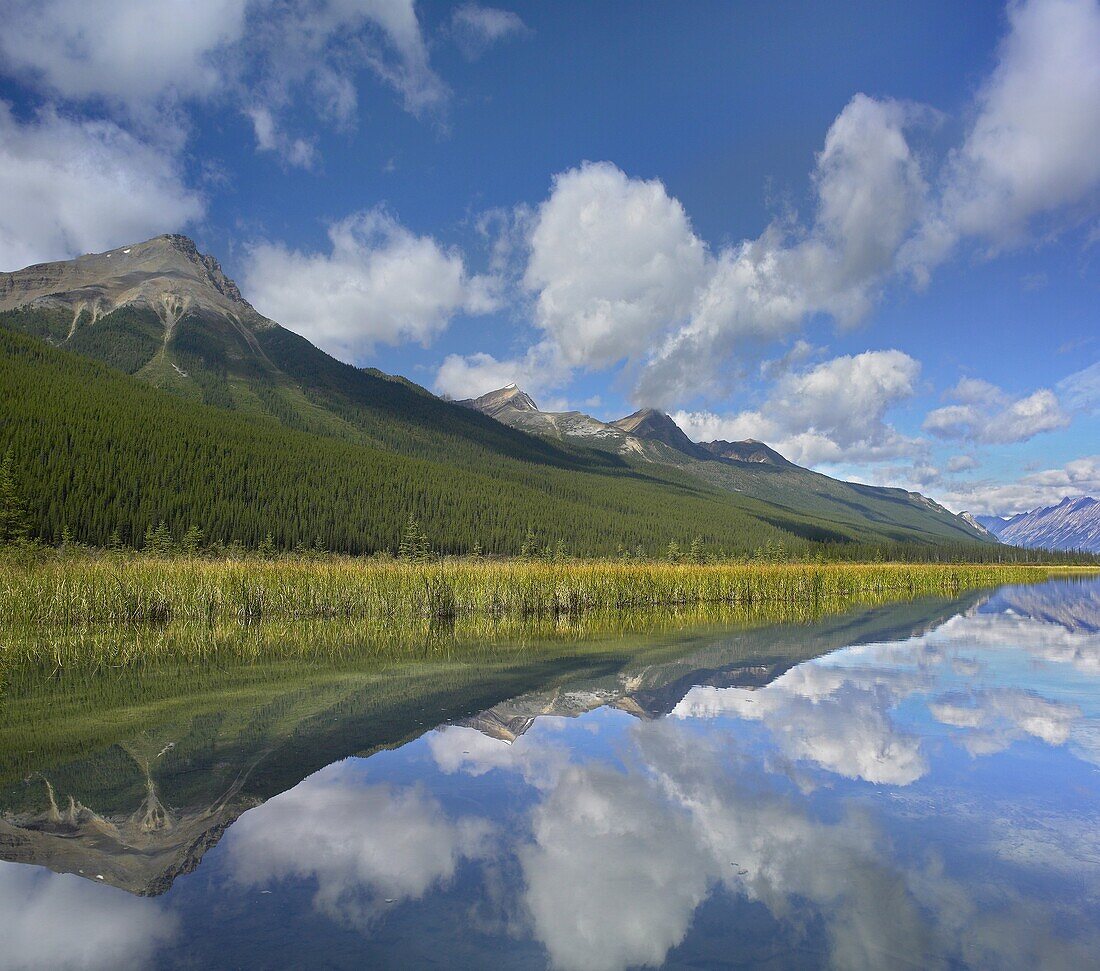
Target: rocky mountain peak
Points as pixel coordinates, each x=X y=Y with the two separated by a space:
x=748 y=450
x=143 y=273
x=510 y=397
x=656 y=426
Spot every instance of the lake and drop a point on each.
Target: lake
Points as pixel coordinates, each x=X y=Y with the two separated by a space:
x=909 y=785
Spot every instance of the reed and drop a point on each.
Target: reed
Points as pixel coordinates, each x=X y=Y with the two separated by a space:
x=152 y=591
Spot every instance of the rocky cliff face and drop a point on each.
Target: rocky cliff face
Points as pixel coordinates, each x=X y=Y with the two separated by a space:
x=163 y=272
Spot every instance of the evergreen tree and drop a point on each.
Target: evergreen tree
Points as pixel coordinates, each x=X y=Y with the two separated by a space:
x=158 y=539
x=192 y=540
x=14 y=520
x=528 y=549
x=672 y=552
x=267 y=546
x=414 y=543
x=695 y=553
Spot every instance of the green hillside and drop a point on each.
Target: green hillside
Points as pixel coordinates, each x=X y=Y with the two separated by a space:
x=96 y=451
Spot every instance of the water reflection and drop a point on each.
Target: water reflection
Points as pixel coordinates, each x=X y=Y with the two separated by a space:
x=911 y=786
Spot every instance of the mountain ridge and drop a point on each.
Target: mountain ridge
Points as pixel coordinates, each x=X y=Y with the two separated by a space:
x=749 y=467
x=168 y=316
x=1072 y=524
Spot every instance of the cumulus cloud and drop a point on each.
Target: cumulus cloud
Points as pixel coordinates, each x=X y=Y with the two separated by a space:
x=869 y=188
x=364 y=845
x=619 y=275
x=127 y=52
x=1034 y=145
x=80 y=186
x=612 y=261
x=833 y=411
x=986 y=414
x=142 y=59
x=63 y=921
x=476 y=28
x=471 y=375
x=379 y=283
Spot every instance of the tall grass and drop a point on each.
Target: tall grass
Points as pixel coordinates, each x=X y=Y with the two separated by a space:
x=88 y=590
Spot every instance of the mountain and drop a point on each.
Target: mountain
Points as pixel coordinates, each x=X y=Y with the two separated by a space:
x=655 y=426
x=975 y=523
x=748 y=468
x=258 y=431
x=1073 y=524
x=167 y=314
x=750 y=450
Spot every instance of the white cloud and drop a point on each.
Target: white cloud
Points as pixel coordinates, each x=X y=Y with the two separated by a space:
x=63 y=921
x=612 y=261
x=471 y=375
x=1081 y=477
x=1034 y=145
x=961 y=463
x=379 y=283
x=318 y=47
x=74 y=187
x=986 y=414
x=619 y=274
x=296 y=152
x=837 y=718
x=1081 y=390
x=832 y=412
x=128 y=52
x=476 y=28
x=366 y=846
x=994 y=718
x=144 y=59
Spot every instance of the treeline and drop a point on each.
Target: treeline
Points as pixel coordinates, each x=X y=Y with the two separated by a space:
x=100 y=458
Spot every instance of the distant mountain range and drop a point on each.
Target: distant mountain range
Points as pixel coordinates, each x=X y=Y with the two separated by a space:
x=202 y=411
x=748 y=468
x=1073 y=524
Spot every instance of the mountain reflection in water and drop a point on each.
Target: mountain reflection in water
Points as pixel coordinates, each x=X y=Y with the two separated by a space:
x=911 y=785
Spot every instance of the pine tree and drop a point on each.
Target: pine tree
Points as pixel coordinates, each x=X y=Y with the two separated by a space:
x=158 y=540
x=192 y=540
x=528 y=549
x=414 y=543
x=672 y=552
x=14 y=521
x=695 y=553
x=267 y=546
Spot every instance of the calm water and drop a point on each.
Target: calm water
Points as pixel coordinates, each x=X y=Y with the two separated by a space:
x=911 y=786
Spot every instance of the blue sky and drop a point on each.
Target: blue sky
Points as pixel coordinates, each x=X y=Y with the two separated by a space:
x=867 y=233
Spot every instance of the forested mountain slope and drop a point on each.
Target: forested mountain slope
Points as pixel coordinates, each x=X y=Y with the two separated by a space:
x=97 y=451
x=745 y=468
x=167 y=316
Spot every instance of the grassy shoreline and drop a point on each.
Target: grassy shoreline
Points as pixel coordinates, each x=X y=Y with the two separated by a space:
x=148 y=590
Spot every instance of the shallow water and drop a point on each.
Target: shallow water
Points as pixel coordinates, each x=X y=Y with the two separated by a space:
x=915 y=785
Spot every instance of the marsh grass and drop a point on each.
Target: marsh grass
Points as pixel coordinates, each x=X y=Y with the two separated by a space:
x=89 y=590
